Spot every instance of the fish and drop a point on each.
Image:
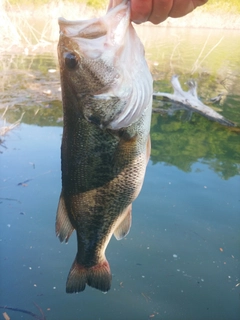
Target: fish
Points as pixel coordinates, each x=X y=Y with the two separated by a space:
x=107 y=104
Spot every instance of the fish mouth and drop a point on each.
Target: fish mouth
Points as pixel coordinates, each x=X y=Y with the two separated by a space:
x=96 y=27
x=109 y=43
x=93 y=29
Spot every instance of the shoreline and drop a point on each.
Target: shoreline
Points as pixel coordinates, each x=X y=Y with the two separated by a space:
x=37 y=29
x=202 y=19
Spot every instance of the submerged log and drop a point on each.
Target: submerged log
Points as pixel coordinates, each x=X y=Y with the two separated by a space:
x=189 y=100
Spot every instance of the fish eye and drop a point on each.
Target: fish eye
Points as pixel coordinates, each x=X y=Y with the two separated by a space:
x=71 y=61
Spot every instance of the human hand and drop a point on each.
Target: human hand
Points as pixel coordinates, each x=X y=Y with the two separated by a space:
x=157 y=11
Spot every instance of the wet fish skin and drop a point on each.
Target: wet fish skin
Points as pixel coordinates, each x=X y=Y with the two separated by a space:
x=105 y=144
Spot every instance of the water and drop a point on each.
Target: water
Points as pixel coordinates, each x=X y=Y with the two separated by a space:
x=181 y=258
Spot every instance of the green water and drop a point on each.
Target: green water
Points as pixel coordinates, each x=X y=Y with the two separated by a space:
x=181 y=258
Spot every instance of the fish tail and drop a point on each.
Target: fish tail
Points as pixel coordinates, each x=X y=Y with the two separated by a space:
x=98 y=276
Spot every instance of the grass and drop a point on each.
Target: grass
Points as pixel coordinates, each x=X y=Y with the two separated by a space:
x=97 y=4
x=226 y=6
x=26 y=26
x=31 y=26
x=200 y=59
x=4 y=128
x=223 y=5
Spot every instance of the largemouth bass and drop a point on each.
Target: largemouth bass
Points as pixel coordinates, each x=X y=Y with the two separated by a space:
x=107 y=103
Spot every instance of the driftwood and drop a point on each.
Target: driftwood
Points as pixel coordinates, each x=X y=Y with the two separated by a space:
x=189 y=100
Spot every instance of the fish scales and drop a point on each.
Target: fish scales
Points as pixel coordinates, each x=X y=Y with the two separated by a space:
x=105 y=143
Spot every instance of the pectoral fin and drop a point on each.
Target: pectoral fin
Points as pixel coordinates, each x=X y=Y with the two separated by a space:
x=124 y=226
x=101 y=109
x=63 y=225
x=148 y=148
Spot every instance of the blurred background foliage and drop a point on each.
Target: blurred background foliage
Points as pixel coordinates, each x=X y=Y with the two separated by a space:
x=226 y=5
x=97 y=4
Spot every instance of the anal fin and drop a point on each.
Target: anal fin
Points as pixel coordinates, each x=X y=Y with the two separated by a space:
x=124 y=226
x=63 y=225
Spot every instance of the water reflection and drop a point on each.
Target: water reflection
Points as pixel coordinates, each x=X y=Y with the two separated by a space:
x=179 y=139
x=170 y=266
x=182 y=143
x=175 y=141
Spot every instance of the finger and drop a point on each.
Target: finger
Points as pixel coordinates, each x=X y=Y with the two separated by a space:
x=178 y=10
x=160 y=11
x=140 y=10
x=198 y=3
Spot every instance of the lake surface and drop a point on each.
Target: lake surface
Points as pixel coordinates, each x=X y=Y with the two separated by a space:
x=181 y=257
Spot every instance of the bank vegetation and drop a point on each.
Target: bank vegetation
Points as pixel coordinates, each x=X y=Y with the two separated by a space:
x=32 y=25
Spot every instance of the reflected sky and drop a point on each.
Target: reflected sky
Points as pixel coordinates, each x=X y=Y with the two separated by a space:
x=180 y=259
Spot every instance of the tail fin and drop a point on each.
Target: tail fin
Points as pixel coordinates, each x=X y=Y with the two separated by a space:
x=98 y=276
